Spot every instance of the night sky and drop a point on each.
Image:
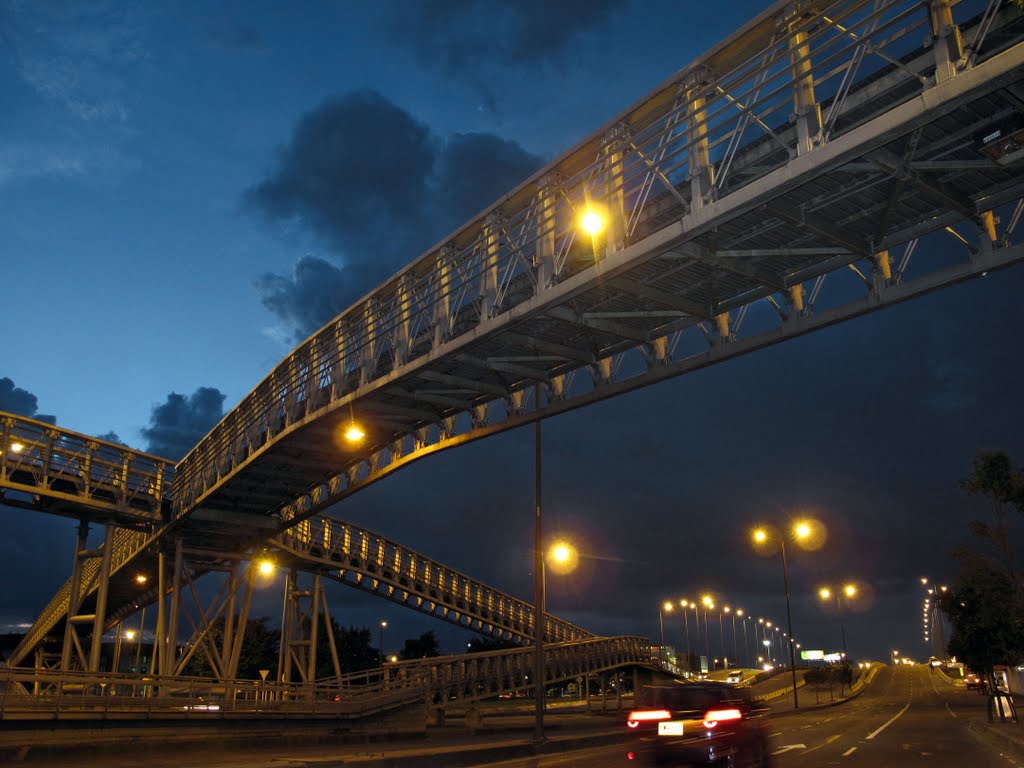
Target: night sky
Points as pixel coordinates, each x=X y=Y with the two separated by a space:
x=186 y=192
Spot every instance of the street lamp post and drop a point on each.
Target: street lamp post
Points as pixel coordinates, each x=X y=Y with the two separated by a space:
x=849 y=591
x=538 y=581
x=721 y=636
x=686 y=629
x=802 y=530
x=666 y=607
x=708 y=603
x=383 y=626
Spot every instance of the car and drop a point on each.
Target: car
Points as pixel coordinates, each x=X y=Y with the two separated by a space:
x=706 y=723
x=735 y=677
x=971 y=680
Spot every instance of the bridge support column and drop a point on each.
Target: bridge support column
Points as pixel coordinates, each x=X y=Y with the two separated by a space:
x=102 y=588
x=74 y=601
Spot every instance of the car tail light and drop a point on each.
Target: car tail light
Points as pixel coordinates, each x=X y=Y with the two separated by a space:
x=637 y=716
x=715 y=716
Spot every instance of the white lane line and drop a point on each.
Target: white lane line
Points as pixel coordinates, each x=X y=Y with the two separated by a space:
x=849 y=752
x=772 y=736
x=888 y=723
x=954 y=714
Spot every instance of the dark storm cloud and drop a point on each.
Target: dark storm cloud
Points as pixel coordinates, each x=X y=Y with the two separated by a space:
x=176 y=425
x=22 y=402
x=378 y=187
x=474 y=169
x=355 y=167
x=458 y=35
x=314 y=293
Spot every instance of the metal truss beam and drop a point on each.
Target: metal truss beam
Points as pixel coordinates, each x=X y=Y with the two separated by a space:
x=369 y=562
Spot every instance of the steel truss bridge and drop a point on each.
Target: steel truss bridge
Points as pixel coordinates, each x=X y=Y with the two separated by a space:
x=830 y=158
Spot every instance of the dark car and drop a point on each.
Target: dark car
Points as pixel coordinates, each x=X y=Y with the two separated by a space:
x=702 y=723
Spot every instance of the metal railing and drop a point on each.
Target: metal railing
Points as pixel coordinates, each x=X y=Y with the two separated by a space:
x=39 y=458
x=49 y=694
x=367 y=560
x=734 y=104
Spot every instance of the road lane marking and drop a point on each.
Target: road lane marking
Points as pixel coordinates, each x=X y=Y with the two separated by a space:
x=787 y=748
x=954 y=714
x=849 y=752
x=889 y=722
x=830 y=739
x=772 y=736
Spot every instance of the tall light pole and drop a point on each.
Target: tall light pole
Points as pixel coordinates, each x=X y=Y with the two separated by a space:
x=735 y=645
x=666 y=607
x=538 y=581
x=849 y=591
x=686 y=629
x=708 y=603
x=801 y=530
x=383 y=626
x=721 y=636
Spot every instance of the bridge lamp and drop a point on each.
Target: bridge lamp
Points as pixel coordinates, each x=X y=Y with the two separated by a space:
x=266 y=567
x=129 y=634
x=141 y=579
x=592 y=221
x=850 y=590
x=17 y=447
x=354 y=434
x=563 y=557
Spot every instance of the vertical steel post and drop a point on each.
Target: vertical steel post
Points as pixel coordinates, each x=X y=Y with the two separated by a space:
x=284 y=664
x=538 y=580
x=74 y=598
x=138 y=643
x=544 y=261
x=117 y=649
x=701 y=170
x=808 y=113
x=489 y=268
x=946 y=39
x=103 y=587
x=167 y=661
x=441 y=298
x=314 y=622
x=686 y=628
x=156 y=666
x=789 y=622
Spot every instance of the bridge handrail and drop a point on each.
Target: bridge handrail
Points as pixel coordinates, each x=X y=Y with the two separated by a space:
x=37 y=455
x=354 y=547
x=747 y=80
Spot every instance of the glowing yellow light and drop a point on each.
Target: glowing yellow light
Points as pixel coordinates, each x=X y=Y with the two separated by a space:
x=707 y=600
x=684 y=603
x=802 y=530
x=667 y=606
x=17 y=447
x=129 y=634
x=739 y=611
x=850 y=590
x=561 y=553
x=592 y=222
x=392 y=659
x=354 y=434
x=141 y=578
x=266 y=567
x=760 y=535
x=727 y=609
x=825 y=593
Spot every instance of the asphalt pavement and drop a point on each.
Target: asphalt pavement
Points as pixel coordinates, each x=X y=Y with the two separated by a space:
x=908 y=716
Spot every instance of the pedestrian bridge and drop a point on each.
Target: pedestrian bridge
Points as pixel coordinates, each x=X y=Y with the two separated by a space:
x=828 y=159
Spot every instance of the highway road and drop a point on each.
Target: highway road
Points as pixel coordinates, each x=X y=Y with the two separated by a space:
x=907 y=717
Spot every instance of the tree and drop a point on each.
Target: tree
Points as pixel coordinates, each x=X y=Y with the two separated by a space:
x=420 y=647
x=994 y=478
x=355 y=652
x=987 y=619
x=259 y=651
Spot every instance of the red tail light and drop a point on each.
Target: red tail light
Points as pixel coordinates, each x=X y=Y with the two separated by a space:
x=639 y=715
x=716 y=716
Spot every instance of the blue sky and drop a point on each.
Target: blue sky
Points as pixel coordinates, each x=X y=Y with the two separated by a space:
x=156 y=238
